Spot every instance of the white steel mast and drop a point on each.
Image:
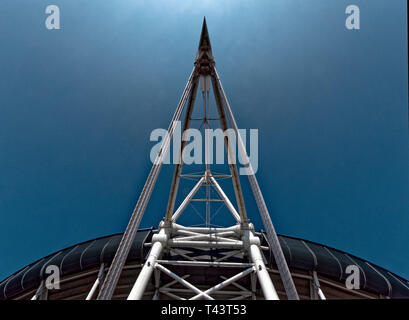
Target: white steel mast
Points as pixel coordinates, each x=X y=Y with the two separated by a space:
x=239 y=238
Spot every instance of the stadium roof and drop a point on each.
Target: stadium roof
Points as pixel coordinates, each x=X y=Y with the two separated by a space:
x=300 y=254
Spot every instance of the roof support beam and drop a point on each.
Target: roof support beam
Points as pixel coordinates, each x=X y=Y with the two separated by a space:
x=96 y=283
x=143 y=278
x=317 y=286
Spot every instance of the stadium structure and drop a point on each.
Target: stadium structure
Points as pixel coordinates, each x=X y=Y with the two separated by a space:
x=177 y=261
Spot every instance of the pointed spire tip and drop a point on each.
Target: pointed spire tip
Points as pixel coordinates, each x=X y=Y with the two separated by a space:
x=204 y=54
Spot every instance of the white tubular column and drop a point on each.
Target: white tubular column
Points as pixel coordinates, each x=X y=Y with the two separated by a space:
x=96 y=283
x=93 y=289
x=261 y=270
x=141 y=282
x=39 y=292
x=317 y=286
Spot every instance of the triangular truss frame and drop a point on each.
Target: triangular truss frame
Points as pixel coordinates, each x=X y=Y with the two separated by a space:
x=175 y=237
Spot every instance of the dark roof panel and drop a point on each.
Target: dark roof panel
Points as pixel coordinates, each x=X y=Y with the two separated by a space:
x=32 y=276
x=301 y=258
x=344 y=261
x=300 y=254
x=72 y=259
x=12 y=283
x=400 y=288
x=374 y=281
x=327 y=264
x=91 y=256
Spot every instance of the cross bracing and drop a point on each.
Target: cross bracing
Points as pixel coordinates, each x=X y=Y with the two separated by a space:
x=172 y=236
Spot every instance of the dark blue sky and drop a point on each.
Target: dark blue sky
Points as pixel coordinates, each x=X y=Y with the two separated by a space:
x=77 y=107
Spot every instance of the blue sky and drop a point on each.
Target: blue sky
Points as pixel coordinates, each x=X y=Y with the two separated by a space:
x=77 y=107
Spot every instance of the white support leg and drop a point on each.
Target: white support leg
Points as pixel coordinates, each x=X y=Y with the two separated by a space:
x=157 y=284
x=96 y=283
x=317 y=286
x=262 y=274
x=93 y=289
x=41 y=293
x=253 y=286
x=142 y=281
x=261 y=270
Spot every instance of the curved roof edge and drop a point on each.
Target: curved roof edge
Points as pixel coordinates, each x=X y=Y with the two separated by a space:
x=299 y=253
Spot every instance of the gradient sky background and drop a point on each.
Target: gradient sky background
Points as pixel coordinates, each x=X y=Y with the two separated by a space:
x=77 y=107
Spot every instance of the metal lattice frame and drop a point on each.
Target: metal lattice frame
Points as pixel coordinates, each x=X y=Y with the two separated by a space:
x=178 y=236
x=172 y=236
